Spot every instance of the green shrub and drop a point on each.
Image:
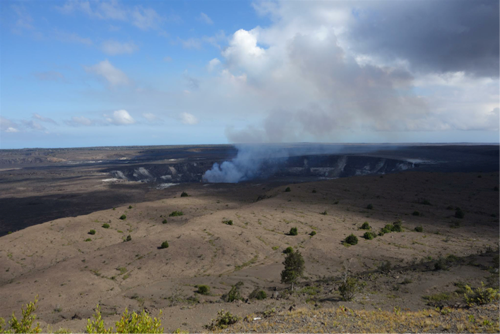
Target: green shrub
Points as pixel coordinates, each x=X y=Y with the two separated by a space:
x=129 y=238
x=258 y=294
x=293 y=231
x=419 y=229
x=441 y=264
x=223 y=320
x=351 y=239
x=164 y=245
x=105 y=225
x=287 y=190
x=324 y=213
x=23 y=325
x=415 y=213
x=92 y=232
x=459 y=213
x=288 y=250
x=176 y=214
x=233 y=294
x=88 y=239
x=294 y=268
x=184 y=194
x=369 y=206
x=203 y=289
x=313 y=233
x=349 y=288
x=397 y=227
x=385 y=266
x=369 y=235
x=480 y=295
x=123 y=217
x=130 y=206
x=164 y=221
x=128 y=323
x=227 y=222
x=366 y=226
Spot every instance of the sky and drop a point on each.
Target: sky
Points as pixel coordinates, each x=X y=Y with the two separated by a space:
x=82 y=73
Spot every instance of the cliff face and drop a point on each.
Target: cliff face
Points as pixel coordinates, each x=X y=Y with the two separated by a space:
x=321 y=166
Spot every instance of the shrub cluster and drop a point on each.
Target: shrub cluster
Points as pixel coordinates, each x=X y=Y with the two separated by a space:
x=394 y=227
x=176 y=214
x=227 y=222
x=351 y=239
x=223 y=320
x=480 y=295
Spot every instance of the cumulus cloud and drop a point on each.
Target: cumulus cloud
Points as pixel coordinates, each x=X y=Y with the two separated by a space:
x=120 y=117
x=189 y=119
x=113 y=48
x=212 y=64
x=205 y=18
x=111 y=74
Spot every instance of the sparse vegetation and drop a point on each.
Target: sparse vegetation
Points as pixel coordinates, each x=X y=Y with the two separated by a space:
x=184 y=194
x=24 y=325
x=419 y=229
x=176 y=214
x=293 y=231
x=128 y=323
x=233 y=294
x=203 y=289
x=123 y=217
x=92 y=232
x=397 y=227
x=349 y=288
x=287 y=189
x=351 y=239
x=227 y=222
x=324 y=213
x=105 y=225
x=223 y=320
x=88 y=239
x=294 y=268
x=369 y=235
x=366 y=226
x=164 y=245
x=480 y=295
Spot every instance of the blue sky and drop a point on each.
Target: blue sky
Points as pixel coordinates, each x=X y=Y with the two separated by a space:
x=94 y=73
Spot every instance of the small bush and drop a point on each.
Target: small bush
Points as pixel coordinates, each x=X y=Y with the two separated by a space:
x=441 y=264
x=227 y=222
x=385 y=266
x=203 y=289
x=258 y=294
x=419 y=229
x=287 y=190
x=164 y=245
x=324 y=213
x=459 y=213
x=105 y=225
x=129 y=238
x=130 y=206
x=233 y=294
x=223 y=320
x=397 y=227
x=314 y=191
x=164 y=221
x=293 y=231
x=88 y=239
x=480 y=295
x=176 y=214
x=184 y=194
x=349 y=288
x=351 y=239
x=123 y=217
x=23 y=325
x=366 y=226
x=92 y=232
x=415 y=213
x=369 y=206
x=128 y=323
x=313 y=233
x=369 y=235
x=288 y=250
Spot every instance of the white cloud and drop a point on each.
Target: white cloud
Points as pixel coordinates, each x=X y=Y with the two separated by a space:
x=72 y=38
x=191 y=43
x=188 y=118
x=205 y=19
x=120 y=117
x=167 y=59
x=7 y=125
x=145 y=18
x=80 y=121
x=49 y=76
x=213 y=64
x=106 y=70
x=24 y=20
x=150 y=116
x=44 y=119
x=112 y=48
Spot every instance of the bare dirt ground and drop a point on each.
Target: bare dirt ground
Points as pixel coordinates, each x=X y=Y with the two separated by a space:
x=71 y=270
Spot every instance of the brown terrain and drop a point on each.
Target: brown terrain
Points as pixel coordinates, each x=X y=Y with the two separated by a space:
x=72 y=271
